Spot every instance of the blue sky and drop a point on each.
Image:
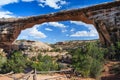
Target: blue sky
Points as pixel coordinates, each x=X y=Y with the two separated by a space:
x=50 y=32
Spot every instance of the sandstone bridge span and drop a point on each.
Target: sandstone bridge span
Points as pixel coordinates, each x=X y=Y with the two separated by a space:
x=105 y=17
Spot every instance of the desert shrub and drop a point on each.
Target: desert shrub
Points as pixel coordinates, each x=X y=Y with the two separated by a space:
x=16 y=63
x=88 y=60
x=3 y=60
x=114 y=52
x=96 y=68
x=45 y=58
x=81 y=62
x=117 y=51
x=56 y=50
x=34 y=59
x=45 y=63
x=95 y=51
x=62 y=66
x=39 y=57
x=111 y=53
x=42 y=66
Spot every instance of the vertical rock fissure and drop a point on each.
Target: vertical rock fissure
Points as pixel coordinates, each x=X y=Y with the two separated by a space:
x=104 y=35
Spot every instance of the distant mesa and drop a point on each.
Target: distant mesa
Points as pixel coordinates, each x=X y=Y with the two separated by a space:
x=105 y=17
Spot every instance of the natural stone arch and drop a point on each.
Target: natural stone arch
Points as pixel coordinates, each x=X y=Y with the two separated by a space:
x=105 y=18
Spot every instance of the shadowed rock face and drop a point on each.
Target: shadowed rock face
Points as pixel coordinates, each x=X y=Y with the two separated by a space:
x=105 y=17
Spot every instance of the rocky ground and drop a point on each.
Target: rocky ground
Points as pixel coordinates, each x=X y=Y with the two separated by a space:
x=43 y=77
x=107 y=74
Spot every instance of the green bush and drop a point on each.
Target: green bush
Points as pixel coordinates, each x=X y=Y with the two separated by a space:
x=16 y=63
x=117 y=55
x=45 y=63
x=34 y=59
x=88 y=60
x=81 y=62
x=114 y=52
x=3 y=60
x=95 y=51
x=96 y=68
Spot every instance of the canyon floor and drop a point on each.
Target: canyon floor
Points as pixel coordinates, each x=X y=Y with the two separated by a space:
x=106 y=75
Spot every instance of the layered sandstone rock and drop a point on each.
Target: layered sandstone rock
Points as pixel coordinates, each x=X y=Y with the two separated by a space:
x=105 y=17
x=27 y=44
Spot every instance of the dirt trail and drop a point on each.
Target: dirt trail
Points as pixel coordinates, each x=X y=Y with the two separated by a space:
x=107 y=75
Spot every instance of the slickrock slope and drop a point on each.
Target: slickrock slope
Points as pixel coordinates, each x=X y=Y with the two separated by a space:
x=30 y=44
x=105 y=17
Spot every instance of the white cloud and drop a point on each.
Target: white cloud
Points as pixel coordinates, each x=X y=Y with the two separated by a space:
x=91 y=33
x=5 y=2
x=32 y=32
x=80 y=23
x=56 y=4
x=72 y=30
x=6 y=14
x=41 y=5
x=27 y=0
x=48 y=29
x=37 y=34
x=64 y=30
x=55 y=24
x=62 y=2
x=51 y=3
x=83 y=34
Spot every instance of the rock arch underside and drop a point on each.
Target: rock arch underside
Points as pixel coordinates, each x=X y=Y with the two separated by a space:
x=105 y=17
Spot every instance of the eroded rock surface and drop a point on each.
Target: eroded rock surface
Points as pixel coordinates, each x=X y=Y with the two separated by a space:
x=105 y=17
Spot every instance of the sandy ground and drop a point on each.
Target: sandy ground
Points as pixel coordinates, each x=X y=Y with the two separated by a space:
x=41 y=77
